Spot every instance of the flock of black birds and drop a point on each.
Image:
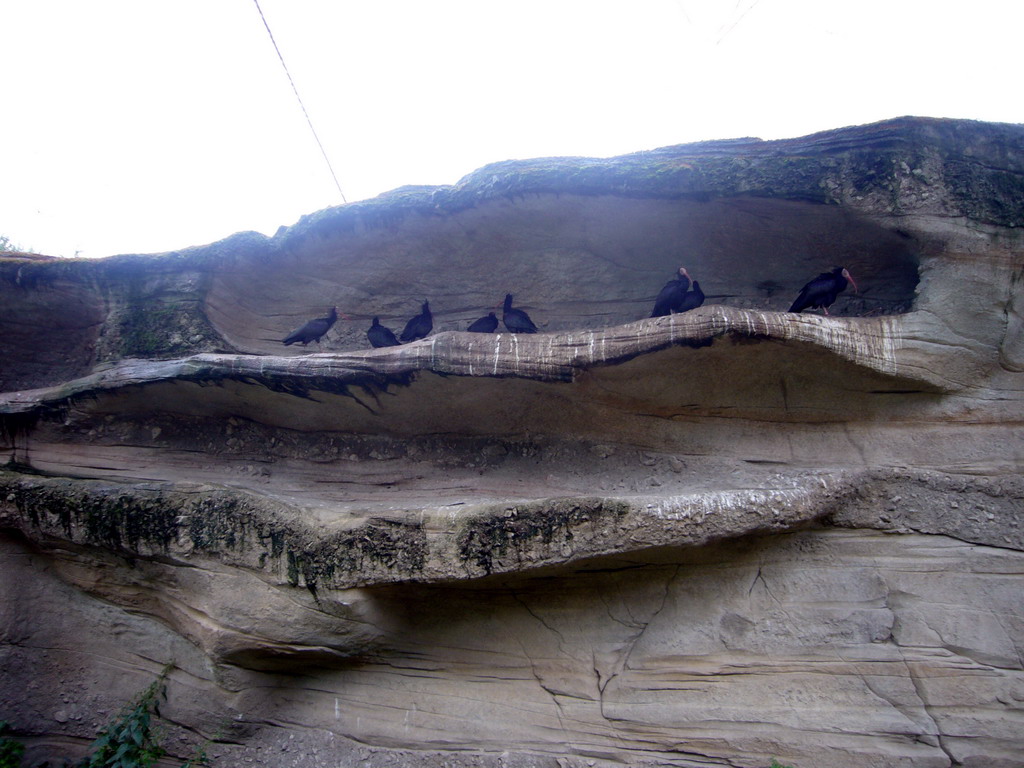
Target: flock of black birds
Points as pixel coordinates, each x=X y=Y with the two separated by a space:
x=516 y=321
x=680 y=294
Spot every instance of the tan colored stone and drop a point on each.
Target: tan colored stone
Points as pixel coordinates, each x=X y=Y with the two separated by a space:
x=715 y=538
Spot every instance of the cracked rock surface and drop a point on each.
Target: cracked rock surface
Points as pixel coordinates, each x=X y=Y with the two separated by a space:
x=708 y=539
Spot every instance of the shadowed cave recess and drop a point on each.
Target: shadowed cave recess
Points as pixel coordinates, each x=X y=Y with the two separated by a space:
x=706 y=539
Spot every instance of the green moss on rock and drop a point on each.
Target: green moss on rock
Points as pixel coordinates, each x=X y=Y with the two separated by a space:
x=233 y=527
x=532 y=532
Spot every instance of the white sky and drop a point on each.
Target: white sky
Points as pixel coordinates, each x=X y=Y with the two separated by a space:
x=135 y=126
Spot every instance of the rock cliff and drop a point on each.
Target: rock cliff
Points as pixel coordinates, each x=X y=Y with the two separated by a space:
x=706 y=539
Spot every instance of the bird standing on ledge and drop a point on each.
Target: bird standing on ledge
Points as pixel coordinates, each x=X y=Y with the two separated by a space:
x=381 y=336
x=671 y=295
x=516 y=320
x=823 y=290
x=419 y=326
x=312 y=331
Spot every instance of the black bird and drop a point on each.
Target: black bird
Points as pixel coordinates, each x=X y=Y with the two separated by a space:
x=671 y=295
x=312 y=331
x=516 y=320
x=693 y=298
x=484 y=325
x=823 y=290
x=380 y=336
x=419 y=326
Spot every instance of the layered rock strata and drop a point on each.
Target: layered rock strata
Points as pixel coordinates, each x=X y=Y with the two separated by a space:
x=714 y=538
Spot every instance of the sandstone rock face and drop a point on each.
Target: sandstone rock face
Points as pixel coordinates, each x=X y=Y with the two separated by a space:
x=714 y=538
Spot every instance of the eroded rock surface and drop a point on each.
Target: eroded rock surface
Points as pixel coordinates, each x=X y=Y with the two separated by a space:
x=714 y=538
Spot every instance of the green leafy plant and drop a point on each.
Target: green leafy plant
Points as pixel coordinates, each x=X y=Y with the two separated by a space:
x=777 y=764
x=199 y=758
x=10 y=750
x=130 y=741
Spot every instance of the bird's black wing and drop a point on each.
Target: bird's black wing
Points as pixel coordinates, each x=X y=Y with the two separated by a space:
x=693 y=299
x=528 y=325
x=812 y=293
x=517 y=321
x=311 y=331
x=380 y=336
x=669 y=297
x=486 y=324
x=417 y=328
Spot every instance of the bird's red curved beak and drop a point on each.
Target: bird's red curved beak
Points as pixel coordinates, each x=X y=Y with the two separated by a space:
x=849 y=277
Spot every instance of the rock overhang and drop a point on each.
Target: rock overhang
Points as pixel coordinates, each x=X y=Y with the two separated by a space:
x=751 y=219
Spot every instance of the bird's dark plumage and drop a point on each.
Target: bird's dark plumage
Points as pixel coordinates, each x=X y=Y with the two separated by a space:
x=823 y=290
x=516 y=320
x=486 y=324
x=693 y=298
x=671 y=295
x=380 y=336
x=312 y=331
x=419 y=326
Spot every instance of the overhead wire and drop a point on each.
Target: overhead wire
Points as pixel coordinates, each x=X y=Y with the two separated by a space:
x=742 y=16
x=303 y=106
